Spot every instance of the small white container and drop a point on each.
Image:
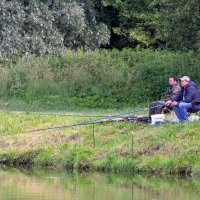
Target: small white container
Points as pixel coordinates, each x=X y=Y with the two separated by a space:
x=157 y=119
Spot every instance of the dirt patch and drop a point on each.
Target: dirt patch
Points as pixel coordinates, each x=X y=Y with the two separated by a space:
x=33 y=140
x=151 y=150
x=72 y=137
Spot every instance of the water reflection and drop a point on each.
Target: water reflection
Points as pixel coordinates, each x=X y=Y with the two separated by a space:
x=48 y=184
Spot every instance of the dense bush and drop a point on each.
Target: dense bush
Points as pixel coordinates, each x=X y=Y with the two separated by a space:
x=97 y=78
x=49 y=26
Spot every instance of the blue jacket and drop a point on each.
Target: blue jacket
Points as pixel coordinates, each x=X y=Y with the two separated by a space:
x=190 y=94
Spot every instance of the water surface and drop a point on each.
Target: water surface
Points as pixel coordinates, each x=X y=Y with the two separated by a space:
x=52 y=185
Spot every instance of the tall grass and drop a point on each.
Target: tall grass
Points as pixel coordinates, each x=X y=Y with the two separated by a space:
x=99 y=78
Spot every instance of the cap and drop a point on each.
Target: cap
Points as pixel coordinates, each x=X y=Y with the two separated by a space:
x=185 y=78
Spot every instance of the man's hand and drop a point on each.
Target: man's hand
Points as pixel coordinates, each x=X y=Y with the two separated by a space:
x=174 y=103
x=168 y=103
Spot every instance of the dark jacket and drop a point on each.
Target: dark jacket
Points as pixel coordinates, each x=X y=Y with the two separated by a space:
x=190 y=94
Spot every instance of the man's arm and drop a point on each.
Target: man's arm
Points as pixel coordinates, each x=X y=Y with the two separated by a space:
x=178 y=97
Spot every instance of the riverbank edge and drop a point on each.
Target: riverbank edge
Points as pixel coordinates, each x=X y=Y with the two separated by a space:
x=125 y=166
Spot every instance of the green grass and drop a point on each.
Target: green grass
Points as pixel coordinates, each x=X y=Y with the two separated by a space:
x=58 y=106
x=168 y=149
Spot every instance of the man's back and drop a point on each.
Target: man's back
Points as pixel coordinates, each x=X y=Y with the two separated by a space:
x=171 y=92
x=189 y=94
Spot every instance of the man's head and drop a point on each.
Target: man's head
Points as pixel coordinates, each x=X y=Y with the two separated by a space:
x=173 y=80
x=185 y=81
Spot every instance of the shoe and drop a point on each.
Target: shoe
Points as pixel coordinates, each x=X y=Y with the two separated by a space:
x=174 y=121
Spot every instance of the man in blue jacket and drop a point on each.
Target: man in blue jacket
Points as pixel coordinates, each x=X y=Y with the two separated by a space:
x=187 y=99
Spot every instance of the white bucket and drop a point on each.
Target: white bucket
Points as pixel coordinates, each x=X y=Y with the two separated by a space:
x=157 y=119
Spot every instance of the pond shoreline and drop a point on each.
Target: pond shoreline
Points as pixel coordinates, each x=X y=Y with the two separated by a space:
x=85 y=170
x=170 y=149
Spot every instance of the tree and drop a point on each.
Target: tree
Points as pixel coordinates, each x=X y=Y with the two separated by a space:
x=49 y=26
x=158 y=23
x=135 y=21
x=179 y=24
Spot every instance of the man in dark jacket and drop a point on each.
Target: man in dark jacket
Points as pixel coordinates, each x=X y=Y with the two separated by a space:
x=157 y=107
x=187 y=99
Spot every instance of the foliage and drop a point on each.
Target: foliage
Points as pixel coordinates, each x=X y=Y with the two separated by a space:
x=96 y=78
x=47 y=26
x=50 y=26
x=159 y=24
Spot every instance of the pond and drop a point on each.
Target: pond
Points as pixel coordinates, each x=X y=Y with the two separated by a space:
x=54 y=185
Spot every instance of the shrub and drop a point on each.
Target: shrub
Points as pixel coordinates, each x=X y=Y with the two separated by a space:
x=99 y=78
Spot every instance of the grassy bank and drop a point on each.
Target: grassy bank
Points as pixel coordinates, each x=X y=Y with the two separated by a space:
x=168 y=149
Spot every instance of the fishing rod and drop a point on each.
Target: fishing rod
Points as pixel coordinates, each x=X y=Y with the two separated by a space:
x=101 y=120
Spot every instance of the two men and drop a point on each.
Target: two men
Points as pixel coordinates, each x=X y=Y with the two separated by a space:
x=187 y=99
x=172 y=91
